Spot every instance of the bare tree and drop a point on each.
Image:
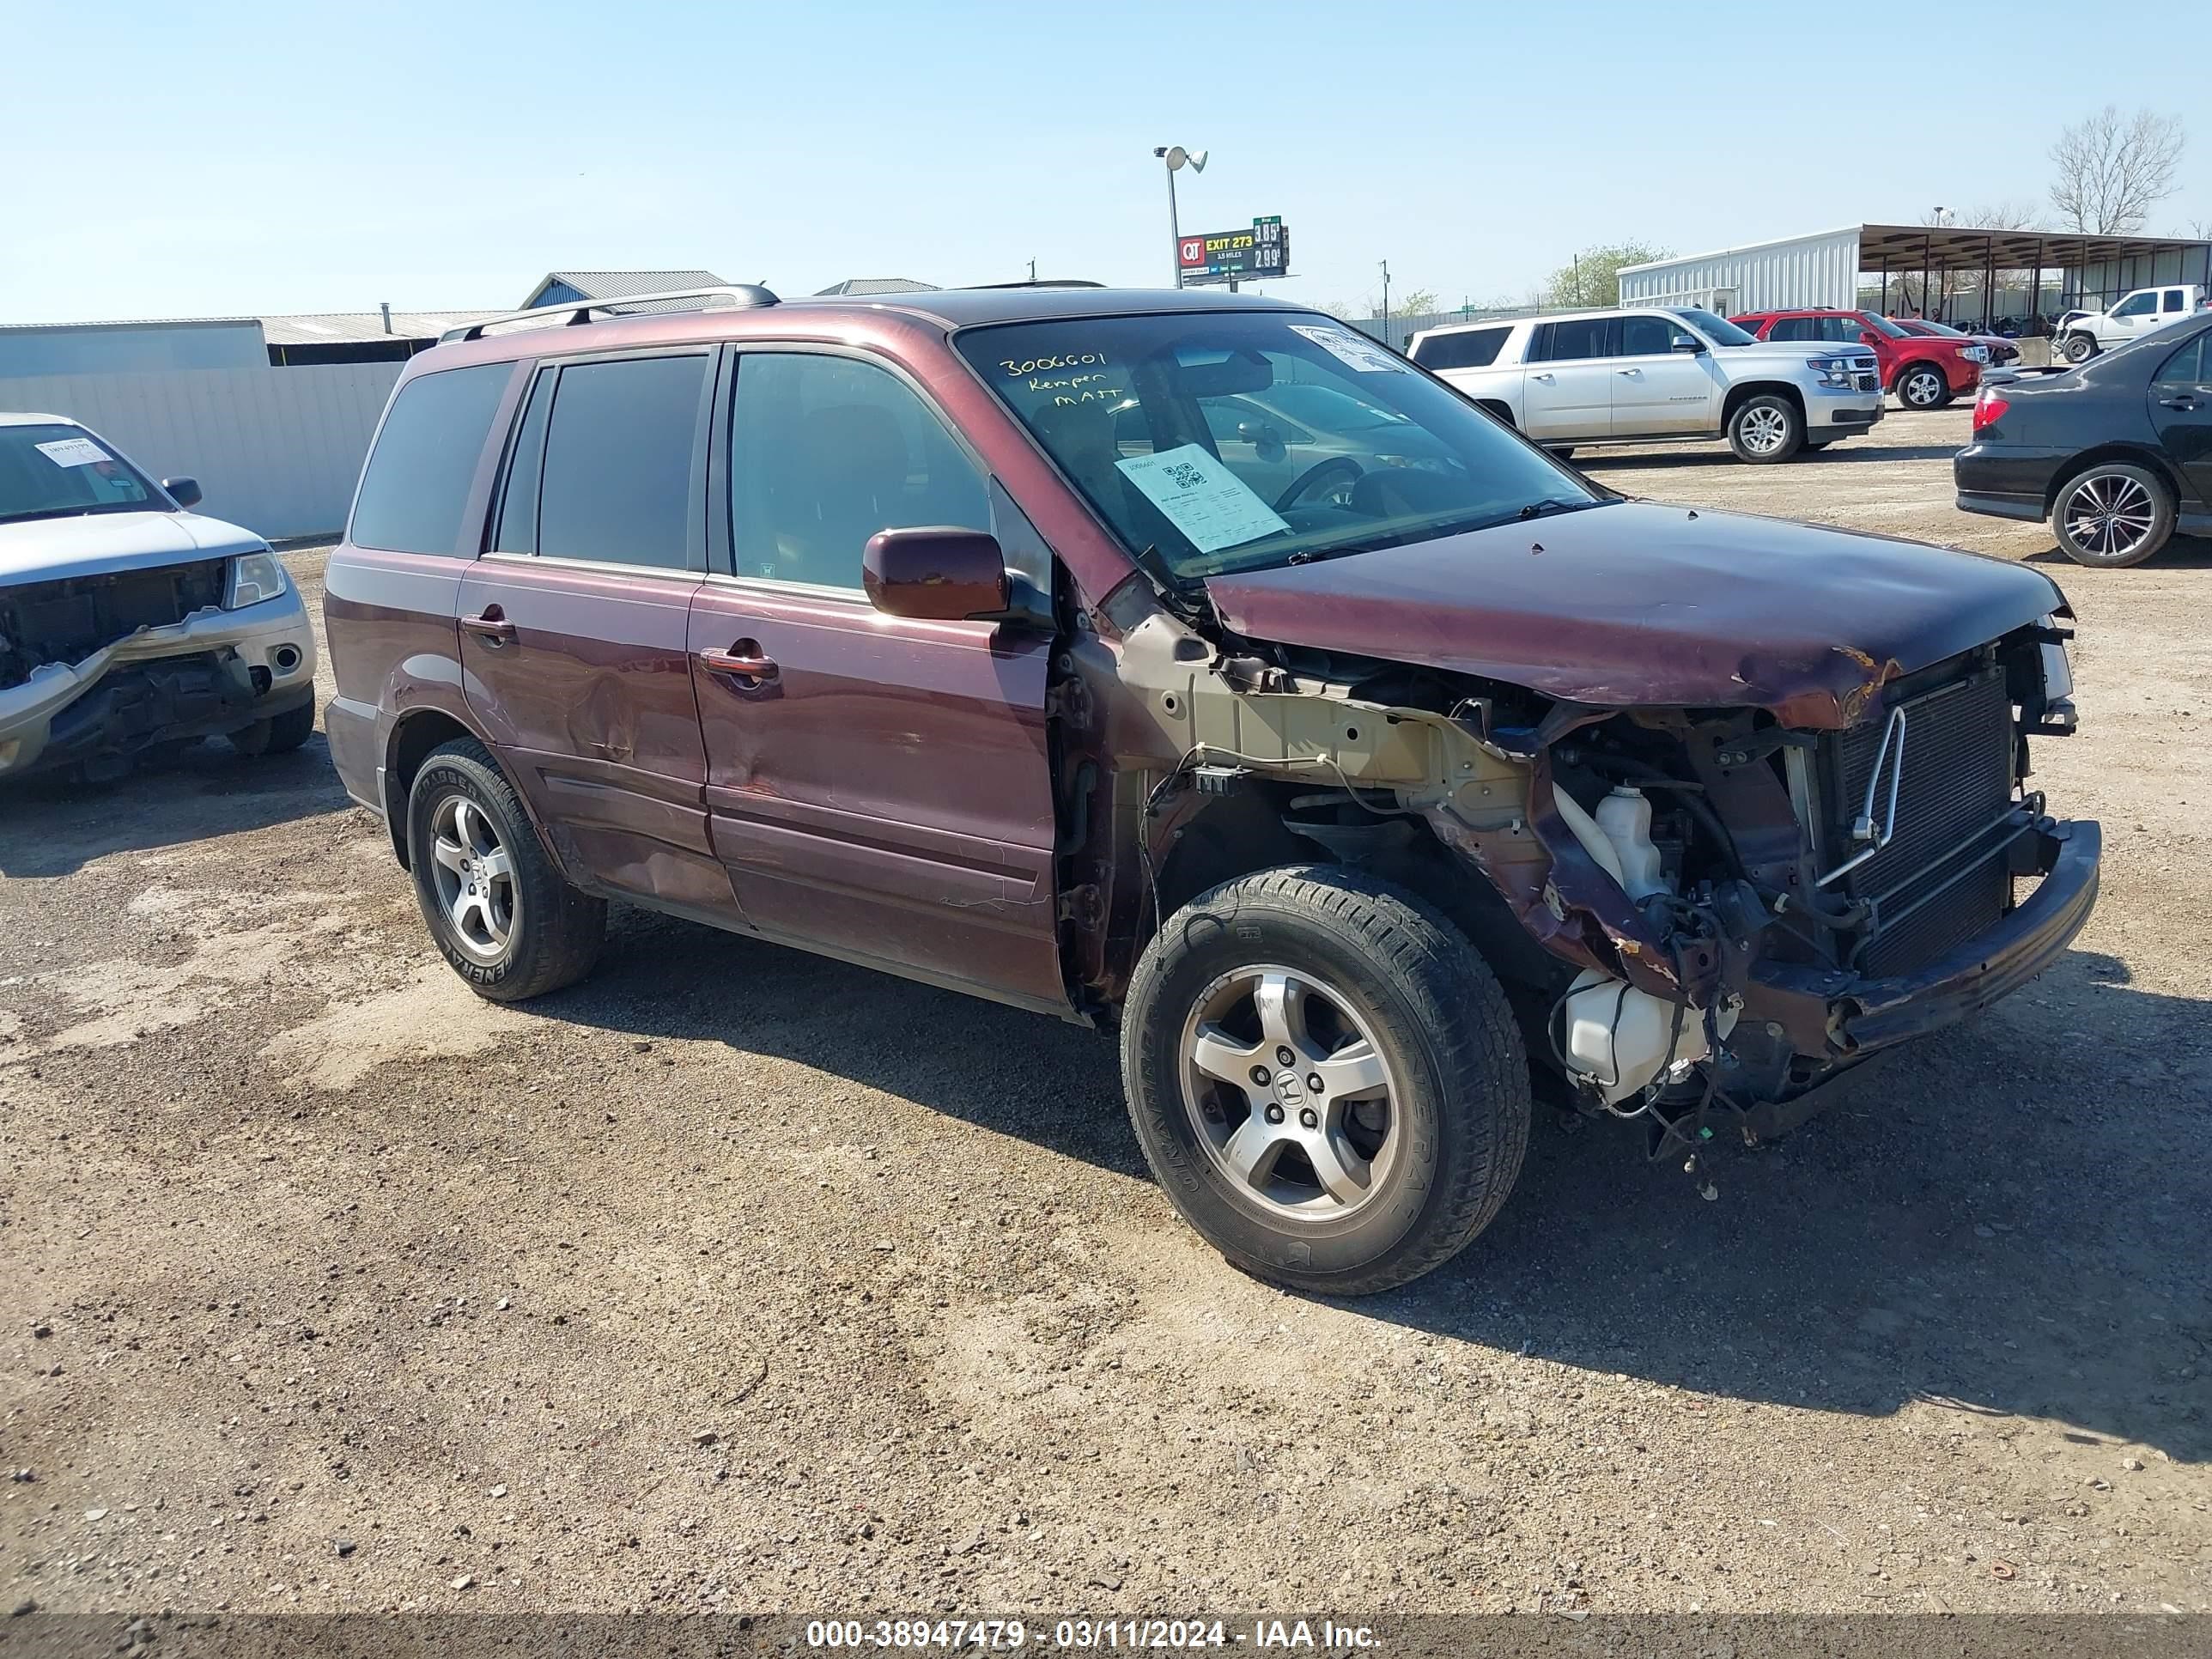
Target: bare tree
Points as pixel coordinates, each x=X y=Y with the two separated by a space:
x=2113 y=169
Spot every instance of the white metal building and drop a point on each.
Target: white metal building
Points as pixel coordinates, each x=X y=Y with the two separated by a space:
x=1975 y=271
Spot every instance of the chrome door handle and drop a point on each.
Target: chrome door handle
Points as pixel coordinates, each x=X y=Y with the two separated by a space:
x=1540 y=377
x=491 y=627
x=743 y=661
x=1628 y=371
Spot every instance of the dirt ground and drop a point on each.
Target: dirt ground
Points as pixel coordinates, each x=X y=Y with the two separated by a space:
x=739 y=1278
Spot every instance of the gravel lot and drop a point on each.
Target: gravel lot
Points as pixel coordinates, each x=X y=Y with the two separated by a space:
x=739 y=1278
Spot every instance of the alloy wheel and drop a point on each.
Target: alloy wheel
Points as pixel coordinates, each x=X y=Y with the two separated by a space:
x=1923 y=388
x=1290 y=1096
x=2109 y=515
x=1766 y=430
x=474 y=873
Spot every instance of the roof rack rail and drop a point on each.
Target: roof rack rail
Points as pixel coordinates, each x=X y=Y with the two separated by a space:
x=735 y=296
x=1045 y=281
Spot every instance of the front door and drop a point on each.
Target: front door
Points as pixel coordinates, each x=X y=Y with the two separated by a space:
x=574 y=649
x=1567 y=392
x=879 y=788
x=2181 y=410
x=1662 y=382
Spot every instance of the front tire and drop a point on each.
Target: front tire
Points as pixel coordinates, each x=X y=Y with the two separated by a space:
x=2112 y=516
x=1394 y=1133
x=1765 y=428
x=280 y=734
x=504 y=919
x=2079 y=347
x=1921 y=386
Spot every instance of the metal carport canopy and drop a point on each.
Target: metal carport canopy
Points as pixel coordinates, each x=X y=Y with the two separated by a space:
x=1961 y=247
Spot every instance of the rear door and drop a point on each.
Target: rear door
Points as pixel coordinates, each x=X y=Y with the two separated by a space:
x=574 y=650
x=1661 y=385
x=1569 y=389
x=879 y=788
x=2181 y=410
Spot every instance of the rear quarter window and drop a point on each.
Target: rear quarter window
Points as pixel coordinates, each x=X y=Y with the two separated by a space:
x=416 y=487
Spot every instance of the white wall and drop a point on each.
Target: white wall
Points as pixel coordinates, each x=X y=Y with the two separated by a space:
x=1820 y=270
x=277 y=450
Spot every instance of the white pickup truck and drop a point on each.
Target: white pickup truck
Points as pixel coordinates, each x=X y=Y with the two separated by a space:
x=1647 y=376
x=2082 y=335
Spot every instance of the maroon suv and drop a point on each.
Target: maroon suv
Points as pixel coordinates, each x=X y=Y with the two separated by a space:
x=1193 y=668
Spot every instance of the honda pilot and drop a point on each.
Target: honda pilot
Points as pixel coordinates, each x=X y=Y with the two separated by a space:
x=1195 y=669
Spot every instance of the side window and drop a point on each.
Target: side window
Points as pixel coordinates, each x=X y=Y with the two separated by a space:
x=417 y=483
x=1585 y=336
x=2171 y=299
x=2187 y=367
x=517 y=531
x=1796 y=328
x=2137 y=305
x=1475 y=348
x=622 y=461
x=1844 y=330
x=1650 y=337
x=826 y=451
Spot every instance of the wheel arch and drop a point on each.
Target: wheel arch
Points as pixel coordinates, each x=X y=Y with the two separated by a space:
x=2126 y=454
x=1738 y=396
x=415 y=735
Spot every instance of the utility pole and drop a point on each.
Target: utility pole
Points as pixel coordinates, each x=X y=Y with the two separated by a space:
x=1032 y=268
x=1385 y=264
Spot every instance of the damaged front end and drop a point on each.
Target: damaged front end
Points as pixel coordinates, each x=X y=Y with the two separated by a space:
x=1705 y=916
x=96 y=669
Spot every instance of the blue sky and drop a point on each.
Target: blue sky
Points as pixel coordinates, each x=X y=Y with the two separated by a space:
x=173 y=160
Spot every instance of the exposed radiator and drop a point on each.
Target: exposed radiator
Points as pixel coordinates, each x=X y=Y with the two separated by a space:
x=1943 y=877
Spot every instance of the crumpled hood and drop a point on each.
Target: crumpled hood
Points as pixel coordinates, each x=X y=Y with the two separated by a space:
x=1638 y=605
x=96 y=544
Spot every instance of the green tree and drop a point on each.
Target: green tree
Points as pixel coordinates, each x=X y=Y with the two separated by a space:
x=1592 y=277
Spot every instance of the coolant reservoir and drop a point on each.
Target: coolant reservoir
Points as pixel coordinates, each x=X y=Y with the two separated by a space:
x=1625 y=816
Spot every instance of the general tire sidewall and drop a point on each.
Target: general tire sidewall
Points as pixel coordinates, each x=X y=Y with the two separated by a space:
x=1219 y=942
x=442 y=777
x=1766 y=400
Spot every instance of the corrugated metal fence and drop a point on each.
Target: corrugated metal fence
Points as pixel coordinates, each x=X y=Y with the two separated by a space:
x=277 y=450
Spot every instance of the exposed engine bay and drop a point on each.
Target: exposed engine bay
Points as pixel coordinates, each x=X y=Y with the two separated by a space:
x=1701 y=913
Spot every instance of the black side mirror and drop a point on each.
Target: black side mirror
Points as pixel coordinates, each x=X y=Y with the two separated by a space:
x=184 y=492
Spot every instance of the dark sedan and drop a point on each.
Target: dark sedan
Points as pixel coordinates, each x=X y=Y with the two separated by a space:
x=2117 y=453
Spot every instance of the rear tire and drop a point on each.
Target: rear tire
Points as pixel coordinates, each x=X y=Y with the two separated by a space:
x=280 y=734
x=503 y=917
x=2112 y=516
x=1765 y=428
x=1399 y=1124
x=2079 y=347
x=1921 y=386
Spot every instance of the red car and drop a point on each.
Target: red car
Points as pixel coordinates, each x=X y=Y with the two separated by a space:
x=2001 y=350
x=1925 y=372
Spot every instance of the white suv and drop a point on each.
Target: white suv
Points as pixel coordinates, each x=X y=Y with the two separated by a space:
x=1623 y=377
x=2082 y=336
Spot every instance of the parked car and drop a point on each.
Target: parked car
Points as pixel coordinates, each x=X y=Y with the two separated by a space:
x=128 y=623
x=1645 y=376
x=2117 y=453
x=940 y=633
x=2000 y=347
x=2082 y=335
x=1923 y=371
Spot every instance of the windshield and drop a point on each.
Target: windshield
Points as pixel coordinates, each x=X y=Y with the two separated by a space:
x=1880 y=325
x=1718 y=330
x=1924 y=327
x=52 y=470
x=1204 y=436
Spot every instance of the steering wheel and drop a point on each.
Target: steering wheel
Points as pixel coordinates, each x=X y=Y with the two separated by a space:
x=1336 y=467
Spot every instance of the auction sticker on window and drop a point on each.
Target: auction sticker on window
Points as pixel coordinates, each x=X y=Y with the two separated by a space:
x=1355 y=350
x=72 y=452
x=1202 y=498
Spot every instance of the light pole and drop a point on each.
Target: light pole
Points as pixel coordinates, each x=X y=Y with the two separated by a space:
x=1385 y=264
x=1177 y=157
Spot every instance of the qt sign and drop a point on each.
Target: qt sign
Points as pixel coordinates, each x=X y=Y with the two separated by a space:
x=1231 y=256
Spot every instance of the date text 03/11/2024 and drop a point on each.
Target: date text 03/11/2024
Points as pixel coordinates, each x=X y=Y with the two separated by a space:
x=1006 y=1635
